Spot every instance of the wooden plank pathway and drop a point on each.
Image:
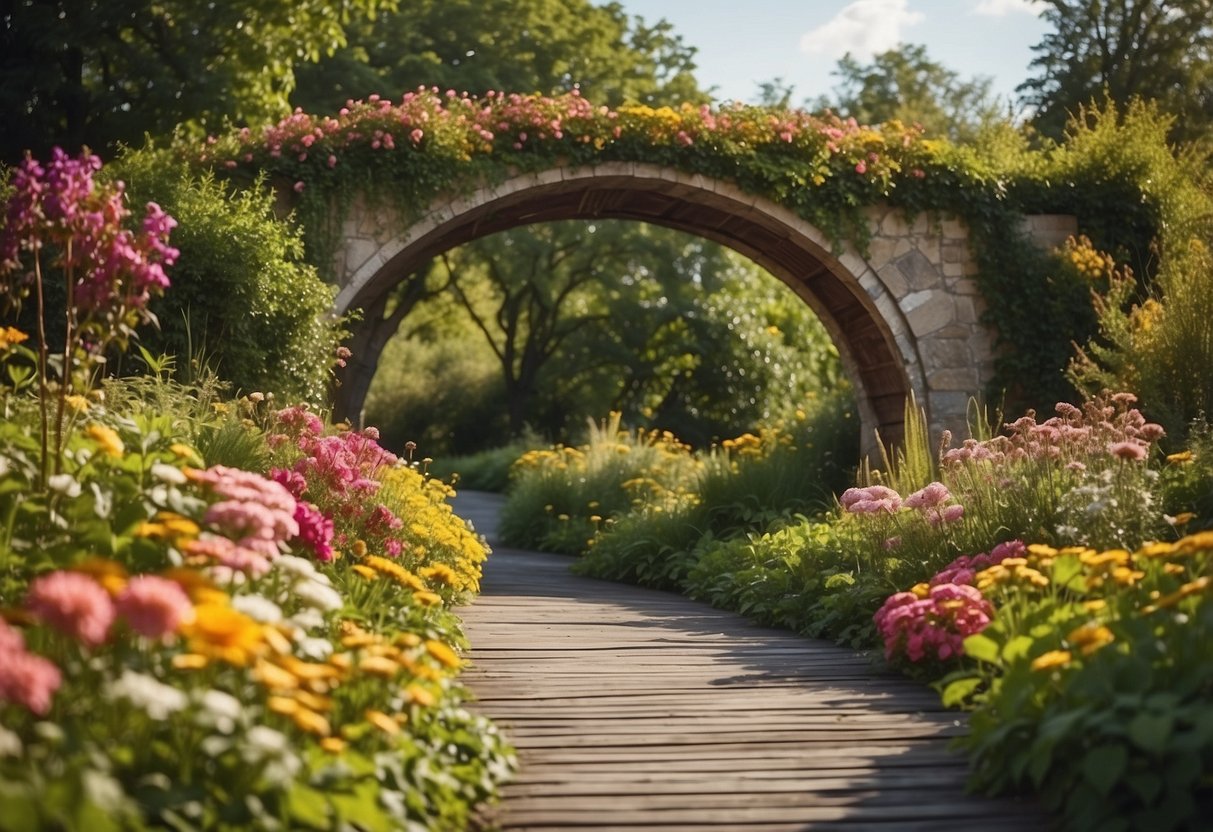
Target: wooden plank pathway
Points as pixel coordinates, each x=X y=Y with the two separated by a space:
x=635 y=709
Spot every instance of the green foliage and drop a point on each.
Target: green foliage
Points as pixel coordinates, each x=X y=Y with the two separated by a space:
x=549 y=46
x=1117 y=50
x=487 y=470
x=748 y=484
x=167 y=731
x=263 y=316
x=83 y=72
x=560 y=497
x=1094 y=692
x=904 y=84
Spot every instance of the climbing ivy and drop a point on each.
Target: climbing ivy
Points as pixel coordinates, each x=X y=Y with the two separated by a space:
x=1114 y=172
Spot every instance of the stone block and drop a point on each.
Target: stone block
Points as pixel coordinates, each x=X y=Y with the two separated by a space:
x=881 y=251
x=955 y=251
x=964 y=379
x=928 y=311
x=941 y=353
x=919 y=272
x=894 y=281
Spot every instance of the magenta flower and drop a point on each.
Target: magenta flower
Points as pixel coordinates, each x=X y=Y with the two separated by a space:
x=1129 y=450
x=315 y=530
x=154 y=607
x=73 y=604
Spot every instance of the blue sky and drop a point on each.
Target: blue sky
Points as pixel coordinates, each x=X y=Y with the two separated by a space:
x=745 y=42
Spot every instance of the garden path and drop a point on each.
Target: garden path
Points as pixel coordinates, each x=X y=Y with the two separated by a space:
x=637 y=709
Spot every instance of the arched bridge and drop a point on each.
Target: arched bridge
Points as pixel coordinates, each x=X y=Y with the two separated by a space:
x=905 y=314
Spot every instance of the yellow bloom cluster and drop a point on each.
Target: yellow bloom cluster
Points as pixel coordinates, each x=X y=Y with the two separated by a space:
x=1012 y=571
x=1090 y=262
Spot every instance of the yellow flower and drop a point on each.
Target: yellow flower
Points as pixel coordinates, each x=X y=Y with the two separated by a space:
x=921 y=590
x=274 y=677
x=9 y=336
x=1090 y=637
x=1051 y=660
x=383 y=722
x=427 y=599
x=306 y=719
x=223 y=633
x=282 y=705
x=78 y=403
x=333 y=745
x=443 y=653
x=185 y=452
x=1181 y=519
x=419 y=695
x=110 y=574
x=107 y=438
x=441 y=573
x=379 y=666
x=1179 y=458
x=190 y=661
x=365 y=571
x=1191 y=588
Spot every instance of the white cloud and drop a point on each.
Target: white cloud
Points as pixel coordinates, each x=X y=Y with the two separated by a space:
x=1000 y=8
x=864 y=28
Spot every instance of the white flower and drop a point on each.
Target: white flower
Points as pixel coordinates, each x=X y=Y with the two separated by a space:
x=308 y=619
x=168 y=473
x=157 y=699
x=257 y=608
x=219 y=709
x=315 y=594
x=316 y=649
x=263 y=742
x=10 y=743
x=295 y=566
x=65 y=484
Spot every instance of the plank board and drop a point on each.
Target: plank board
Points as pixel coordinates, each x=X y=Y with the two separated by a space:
x=634 y=709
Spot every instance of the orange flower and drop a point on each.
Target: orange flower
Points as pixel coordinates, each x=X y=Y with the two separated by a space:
x=223 y=633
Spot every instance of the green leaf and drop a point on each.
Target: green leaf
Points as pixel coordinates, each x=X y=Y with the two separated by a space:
x=1065 y=569
x=1017 y=648
x=1151 y=731
x=1103 y=767
x=958 y=691
x=982 y=648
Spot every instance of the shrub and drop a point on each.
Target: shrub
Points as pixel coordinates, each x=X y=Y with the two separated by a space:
x=243 y=300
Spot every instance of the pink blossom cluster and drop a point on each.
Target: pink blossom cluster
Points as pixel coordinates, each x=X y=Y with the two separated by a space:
x=79 y=607
x=874 y=499
x=1106 y=426
x=460 y=125
x=59 y=206
x=26 y=679
x=337 y=473
x=964 y=569
x=933 y=626
x=249 y=523
x=929 y=501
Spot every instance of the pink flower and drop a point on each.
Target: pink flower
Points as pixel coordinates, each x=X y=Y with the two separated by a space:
x=153 y=606
x=861 y=168
x=1129 y=451
x=315 y=530
x=74 y=604
x=929 y=497
x=28 y=680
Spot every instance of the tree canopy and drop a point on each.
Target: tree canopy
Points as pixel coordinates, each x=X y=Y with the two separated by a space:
x=547 y=46
x=904 y=84
x=1118 y=49
x=86 y=72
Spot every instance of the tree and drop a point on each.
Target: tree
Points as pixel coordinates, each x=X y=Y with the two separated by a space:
x=86 y=72
x=904 y=84
x=1118 y=49
x=546 y=46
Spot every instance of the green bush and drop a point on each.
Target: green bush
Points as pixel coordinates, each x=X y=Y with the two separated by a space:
x=484 y=471
x=242 y=300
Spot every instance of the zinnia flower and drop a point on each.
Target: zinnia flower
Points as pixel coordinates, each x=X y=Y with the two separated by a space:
x=154 y=607
x=28 y=680
x=74 y=604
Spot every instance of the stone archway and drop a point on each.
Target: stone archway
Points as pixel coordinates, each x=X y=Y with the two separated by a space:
x=905 y=317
